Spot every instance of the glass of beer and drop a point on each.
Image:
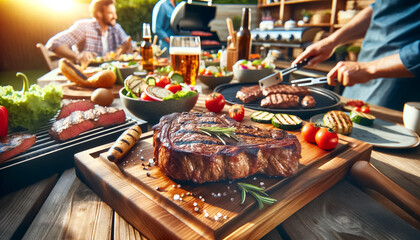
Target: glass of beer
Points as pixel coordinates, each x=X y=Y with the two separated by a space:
x=185 y=56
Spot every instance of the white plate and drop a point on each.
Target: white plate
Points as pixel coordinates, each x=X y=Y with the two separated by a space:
x=381 y=134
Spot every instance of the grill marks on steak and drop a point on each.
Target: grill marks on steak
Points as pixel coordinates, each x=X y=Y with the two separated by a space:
x=82 y=121
x=286 y=89
x=249 y=94
x=185 y=153
x=12 y=145
x=70 y=106
x=280 y=101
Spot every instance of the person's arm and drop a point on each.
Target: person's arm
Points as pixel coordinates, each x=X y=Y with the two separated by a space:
x=322 y=50
x=64 y=51
x=350 y=73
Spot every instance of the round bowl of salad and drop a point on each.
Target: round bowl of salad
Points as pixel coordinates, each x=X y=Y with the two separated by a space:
x=154 y=96
x=251 y=71
x=125 y=68
x=213 y=76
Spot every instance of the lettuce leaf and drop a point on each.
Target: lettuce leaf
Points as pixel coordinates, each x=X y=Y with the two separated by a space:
x=32 y=109
x=180 y=94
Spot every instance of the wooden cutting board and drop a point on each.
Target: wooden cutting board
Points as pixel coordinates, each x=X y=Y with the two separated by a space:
x=72 y=91
x=144 y=196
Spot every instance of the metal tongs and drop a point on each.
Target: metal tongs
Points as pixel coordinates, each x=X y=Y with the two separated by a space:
x=308 y=81
x=277 y=77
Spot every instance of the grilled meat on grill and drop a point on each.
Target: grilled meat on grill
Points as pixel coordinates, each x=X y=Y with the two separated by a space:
x=249 y=94
x=308 y=102
x=183 y=152
x=70 y=106
x=12 y=145
x=286 y=89
x=82 y=121
x=278 y=100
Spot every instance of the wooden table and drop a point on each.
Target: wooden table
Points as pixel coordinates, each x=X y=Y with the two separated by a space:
x=61 y=206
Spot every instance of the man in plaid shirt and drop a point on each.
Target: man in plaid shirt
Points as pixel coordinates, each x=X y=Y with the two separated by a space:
x=92 y=37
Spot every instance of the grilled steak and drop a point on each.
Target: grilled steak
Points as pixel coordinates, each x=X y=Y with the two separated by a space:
x=82 y=121
x=12 y=145
x=70 y=106
x=249 y=94
x=183 y=152
x=308 y=102
x=286 y=89
x=278 y=100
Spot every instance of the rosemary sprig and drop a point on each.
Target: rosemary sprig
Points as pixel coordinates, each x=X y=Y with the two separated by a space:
x=219 y=131
x=257 y=193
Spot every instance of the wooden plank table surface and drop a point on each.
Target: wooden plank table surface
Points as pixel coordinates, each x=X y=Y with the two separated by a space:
x=61 y=206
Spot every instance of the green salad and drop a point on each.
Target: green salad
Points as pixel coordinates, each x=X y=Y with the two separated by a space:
x=31 y=107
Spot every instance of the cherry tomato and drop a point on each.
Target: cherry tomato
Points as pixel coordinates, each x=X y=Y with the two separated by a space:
x=214 y=102
x=208 y=73
x=145 y=97
x=326 y=139
x=237 y=112
x=173 y=87
x=365 y=109
x=309 y=131
x=357 y=109
x=202 y=71
x=163 y=81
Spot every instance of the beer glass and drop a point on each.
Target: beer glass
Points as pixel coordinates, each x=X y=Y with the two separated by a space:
x=185 y=57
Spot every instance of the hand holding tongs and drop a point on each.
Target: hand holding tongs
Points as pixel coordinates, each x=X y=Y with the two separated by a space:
x=277 y=77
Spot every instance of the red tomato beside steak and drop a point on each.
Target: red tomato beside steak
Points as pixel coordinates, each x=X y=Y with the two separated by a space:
x=237 y=112
x=326 y=139
x=215 y=102
x=309 y=131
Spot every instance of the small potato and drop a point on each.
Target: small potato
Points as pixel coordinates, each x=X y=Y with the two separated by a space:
x=102 y=97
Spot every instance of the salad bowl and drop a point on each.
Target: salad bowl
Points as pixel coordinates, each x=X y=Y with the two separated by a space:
x=152 y=111
x=245 y=73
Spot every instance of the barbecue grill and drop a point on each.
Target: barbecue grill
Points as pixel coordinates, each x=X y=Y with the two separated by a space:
x=48 y=156
x=192 y=19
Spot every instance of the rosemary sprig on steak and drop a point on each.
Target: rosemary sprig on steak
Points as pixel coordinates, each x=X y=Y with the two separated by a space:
x=257 y=193
x=220 y=131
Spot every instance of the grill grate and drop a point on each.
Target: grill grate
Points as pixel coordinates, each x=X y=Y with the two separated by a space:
x=47 y=156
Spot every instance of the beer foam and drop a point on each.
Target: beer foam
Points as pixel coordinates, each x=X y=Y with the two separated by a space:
x=184 y=50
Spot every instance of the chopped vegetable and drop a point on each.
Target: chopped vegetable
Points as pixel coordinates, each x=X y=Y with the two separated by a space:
x=4 y=121
x=32 y=107
x=262 y=116
x=157 y=93
x=237 y=112
x=176 y=77
x=180 y=94
x=362 y=118
x=338 y=121
x=286 y=121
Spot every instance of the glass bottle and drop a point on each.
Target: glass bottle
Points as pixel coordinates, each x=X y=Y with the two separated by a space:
x=244 y=35
x=146 y=49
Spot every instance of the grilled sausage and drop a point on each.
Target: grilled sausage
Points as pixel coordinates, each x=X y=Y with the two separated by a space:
x=124 y=143
x=308 y=102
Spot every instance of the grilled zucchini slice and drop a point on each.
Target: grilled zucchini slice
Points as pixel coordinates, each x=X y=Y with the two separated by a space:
x=362 y=118
x=286 y=121
x=338 y=121
x=262 y=117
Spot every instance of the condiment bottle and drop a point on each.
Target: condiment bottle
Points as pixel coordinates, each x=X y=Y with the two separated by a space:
x=146 y=49
x=244 y=35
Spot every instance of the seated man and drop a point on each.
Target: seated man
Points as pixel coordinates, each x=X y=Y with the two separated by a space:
x=92 y=37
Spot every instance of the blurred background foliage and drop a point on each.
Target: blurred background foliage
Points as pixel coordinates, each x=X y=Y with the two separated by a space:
x=132 y=13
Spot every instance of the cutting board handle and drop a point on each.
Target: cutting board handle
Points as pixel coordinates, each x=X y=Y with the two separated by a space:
x=368 y=176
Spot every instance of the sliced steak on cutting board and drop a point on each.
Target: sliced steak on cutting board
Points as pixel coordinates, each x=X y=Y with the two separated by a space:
x=183 y=152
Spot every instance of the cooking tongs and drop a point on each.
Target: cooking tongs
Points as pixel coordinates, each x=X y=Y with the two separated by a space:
x=277 y=77
x=308 y=81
